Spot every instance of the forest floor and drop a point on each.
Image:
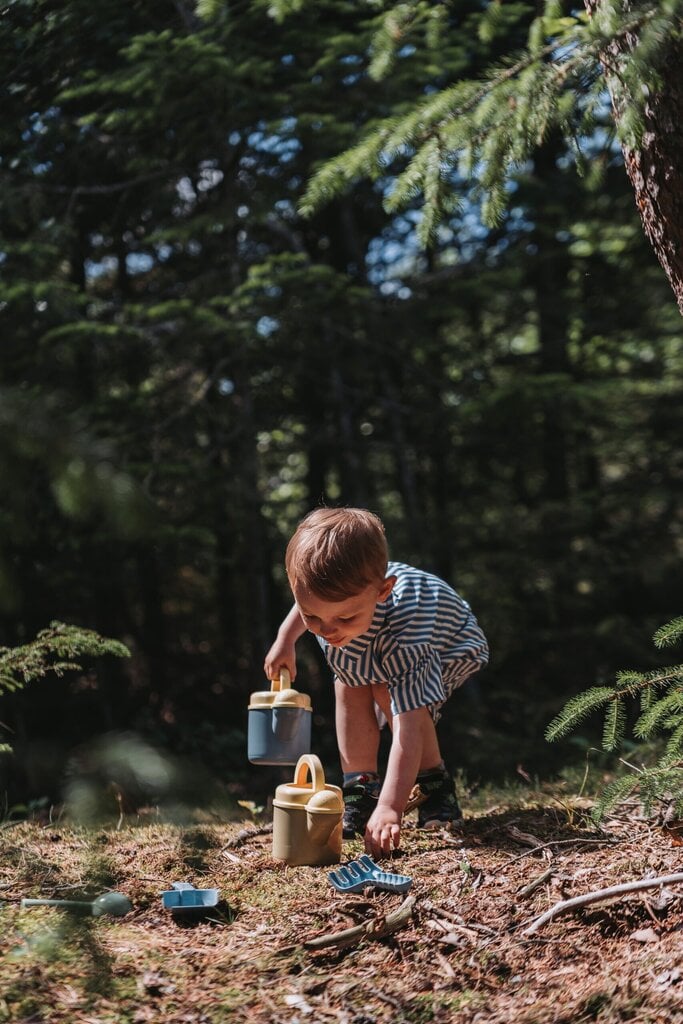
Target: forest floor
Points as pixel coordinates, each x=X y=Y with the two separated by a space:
x=460 y=954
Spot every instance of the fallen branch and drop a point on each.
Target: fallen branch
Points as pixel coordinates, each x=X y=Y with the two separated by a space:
x=249 y=833
x=544 y=846
x=598 y=895
x=378 y=928
x=434 y=908
x=535 y=883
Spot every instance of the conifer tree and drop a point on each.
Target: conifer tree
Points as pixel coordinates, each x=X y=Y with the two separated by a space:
x=660 y=697
x=488 y=128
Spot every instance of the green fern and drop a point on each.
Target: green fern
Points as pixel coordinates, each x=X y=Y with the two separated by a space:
x=660 y=699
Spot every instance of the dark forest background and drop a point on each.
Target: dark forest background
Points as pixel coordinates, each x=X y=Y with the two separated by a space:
x=187 y=366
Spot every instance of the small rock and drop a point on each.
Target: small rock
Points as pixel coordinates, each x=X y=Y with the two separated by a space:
x=667 y=978
x=645 y=935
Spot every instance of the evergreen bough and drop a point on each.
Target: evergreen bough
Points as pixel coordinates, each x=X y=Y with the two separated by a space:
x=660 y=697
x=57 y=649
x=486 y=130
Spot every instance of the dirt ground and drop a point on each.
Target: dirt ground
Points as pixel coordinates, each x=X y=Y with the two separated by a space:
x=460 y=953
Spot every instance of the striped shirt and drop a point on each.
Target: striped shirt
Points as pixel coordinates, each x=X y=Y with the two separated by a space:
x=423 y=642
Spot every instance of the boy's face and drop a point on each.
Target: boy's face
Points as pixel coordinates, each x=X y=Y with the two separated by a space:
x=340 y=622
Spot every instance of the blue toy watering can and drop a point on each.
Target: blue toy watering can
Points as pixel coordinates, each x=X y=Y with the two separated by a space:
x=279 y=729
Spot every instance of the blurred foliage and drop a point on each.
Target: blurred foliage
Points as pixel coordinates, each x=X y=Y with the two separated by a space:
x=57 y=650
x=187 y=366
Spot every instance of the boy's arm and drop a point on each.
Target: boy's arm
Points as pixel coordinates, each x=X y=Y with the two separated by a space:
x=282 y=654
x=383 y=831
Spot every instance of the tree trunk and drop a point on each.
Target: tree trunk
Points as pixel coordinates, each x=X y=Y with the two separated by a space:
x=655 y=169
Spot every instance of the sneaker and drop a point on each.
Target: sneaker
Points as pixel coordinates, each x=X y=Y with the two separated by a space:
x=438 y=806
x=360 y=800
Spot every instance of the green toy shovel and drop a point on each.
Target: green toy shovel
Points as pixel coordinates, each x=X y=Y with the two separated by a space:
x=113 y=903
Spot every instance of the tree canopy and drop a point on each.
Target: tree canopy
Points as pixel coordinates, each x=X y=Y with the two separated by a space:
x=189 y=363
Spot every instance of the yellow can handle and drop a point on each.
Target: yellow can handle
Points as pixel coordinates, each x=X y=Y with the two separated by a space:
x=283 y=682
x=310 y=764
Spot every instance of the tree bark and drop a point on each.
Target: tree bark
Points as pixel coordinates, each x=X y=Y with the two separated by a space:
x=655 y=169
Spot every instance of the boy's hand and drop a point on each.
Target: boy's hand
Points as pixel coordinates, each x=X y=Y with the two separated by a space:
x=383 y=831
x=281 y=655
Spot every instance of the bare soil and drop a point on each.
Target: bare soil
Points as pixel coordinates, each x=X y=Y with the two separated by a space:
x=460 y=956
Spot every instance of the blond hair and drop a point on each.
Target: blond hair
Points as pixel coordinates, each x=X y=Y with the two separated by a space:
x=337 y=552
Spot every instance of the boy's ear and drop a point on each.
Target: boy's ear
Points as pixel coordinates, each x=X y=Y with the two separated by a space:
x=386 y=588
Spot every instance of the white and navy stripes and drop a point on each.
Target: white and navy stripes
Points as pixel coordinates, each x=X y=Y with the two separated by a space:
x=423 y=642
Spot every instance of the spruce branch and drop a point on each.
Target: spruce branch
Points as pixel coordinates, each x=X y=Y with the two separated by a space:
x=491 y=125
x=660 y=694
x=57 y=650
x=614 y=793
x=615 y=724
x=576 y=710
x=657 y=714
x=669 y=634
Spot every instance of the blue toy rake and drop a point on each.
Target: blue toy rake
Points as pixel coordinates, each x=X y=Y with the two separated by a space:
x=359 y=874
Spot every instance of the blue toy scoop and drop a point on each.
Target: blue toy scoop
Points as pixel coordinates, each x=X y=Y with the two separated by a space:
x=183 y=897
x=357 y=874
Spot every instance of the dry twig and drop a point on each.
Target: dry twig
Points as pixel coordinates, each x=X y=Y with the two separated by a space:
x=248 y=833
x=535 y=883
x=378 y=928
x=598 y=895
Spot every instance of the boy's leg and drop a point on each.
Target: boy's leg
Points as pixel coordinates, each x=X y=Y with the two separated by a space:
x=436 y=801
x=358 y=737
x=358 y=734
x=357 y=727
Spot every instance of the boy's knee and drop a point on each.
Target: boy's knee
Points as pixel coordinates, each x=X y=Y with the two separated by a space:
x=380 y=696
x=353 y=696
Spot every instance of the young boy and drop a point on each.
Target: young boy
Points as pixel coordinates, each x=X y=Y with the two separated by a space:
x=397 y=639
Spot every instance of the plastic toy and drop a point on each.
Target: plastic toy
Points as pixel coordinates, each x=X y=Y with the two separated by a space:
x=307 y=817
x=182 y=899
x=113 y=903
x=359 y=874
x=279 y=723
